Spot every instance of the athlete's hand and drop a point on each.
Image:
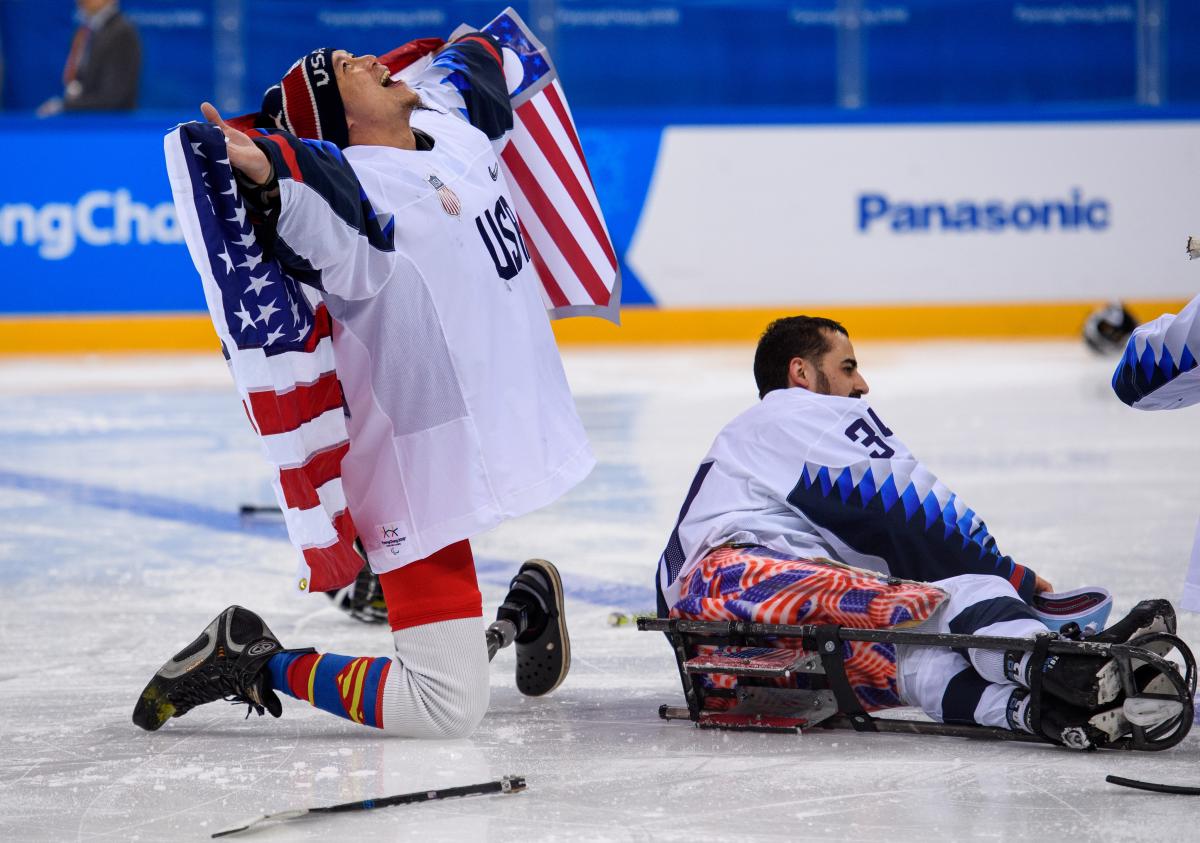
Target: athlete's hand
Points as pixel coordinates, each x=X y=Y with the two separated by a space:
x=1041 y=585
x=244 y=155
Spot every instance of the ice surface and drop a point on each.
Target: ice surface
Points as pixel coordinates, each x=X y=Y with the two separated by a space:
x=120 y=481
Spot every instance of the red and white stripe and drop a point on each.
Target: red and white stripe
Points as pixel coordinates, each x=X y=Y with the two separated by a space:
x=300 y=103
x=450 y=203
x=557 y=205
x=296 y=408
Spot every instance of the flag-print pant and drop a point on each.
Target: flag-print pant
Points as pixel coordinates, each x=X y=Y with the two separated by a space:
x=754 y=583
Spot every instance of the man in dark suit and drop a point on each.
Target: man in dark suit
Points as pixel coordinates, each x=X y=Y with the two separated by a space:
x=104 y=64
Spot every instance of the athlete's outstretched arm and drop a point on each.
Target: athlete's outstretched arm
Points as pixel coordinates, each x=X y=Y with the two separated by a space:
x=1158 y=370
x=309 y=210
x=246 y=158
x=468 y=75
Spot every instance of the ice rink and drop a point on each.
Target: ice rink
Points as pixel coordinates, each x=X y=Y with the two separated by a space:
x=120 y=482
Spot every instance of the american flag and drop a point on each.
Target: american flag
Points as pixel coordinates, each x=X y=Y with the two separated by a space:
x=448 y=197
x=762 y=586
x=276 y=334
x=552 y=186
x=278 y=342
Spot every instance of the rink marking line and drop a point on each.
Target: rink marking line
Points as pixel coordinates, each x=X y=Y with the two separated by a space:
x=140 y=503
x=599 y=592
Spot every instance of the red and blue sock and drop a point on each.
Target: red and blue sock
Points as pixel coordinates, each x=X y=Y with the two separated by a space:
x=348 y=686
x=437 y=588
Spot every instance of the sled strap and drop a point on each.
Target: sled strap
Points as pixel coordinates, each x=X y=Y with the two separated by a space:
x=1037 y=661
x=830 y=648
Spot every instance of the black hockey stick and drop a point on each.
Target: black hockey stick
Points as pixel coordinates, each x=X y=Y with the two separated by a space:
x=248 y=509
x=1153 y=787
x=508 y=784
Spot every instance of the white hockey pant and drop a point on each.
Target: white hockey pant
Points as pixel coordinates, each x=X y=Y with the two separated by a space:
x=438 y=685
x=953 y=686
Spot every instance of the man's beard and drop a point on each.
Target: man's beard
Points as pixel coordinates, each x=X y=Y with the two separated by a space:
x=821 y=385
x=415 y=103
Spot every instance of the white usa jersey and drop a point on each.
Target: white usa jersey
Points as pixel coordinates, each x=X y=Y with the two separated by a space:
x=813 y=475
x=457 y=407
x=458 y=423
x=1158 y=370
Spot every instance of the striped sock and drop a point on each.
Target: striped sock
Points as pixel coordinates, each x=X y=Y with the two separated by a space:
x=348 y=686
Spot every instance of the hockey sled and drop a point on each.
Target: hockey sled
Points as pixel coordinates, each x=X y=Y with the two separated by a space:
x=751 y=652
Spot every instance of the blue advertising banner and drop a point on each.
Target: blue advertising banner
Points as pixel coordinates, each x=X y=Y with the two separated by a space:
x=86 y=220
x=87 y=224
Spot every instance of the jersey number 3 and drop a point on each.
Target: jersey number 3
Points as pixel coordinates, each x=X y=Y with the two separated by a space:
x=861 y=431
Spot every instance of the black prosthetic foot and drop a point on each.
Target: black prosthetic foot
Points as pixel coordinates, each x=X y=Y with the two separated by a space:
x=535 y=607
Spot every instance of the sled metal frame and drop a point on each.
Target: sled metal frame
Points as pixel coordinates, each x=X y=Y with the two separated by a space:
x=770 y=709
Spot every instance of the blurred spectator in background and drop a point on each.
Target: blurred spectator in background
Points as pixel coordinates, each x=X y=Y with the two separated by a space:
x=104 y=64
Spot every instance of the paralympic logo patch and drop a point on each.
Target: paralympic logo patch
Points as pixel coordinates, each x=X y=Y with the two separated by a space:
x=392 y=536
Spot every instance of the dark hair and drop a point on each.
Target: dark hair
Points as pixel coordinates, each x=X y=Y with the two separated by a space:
x=786 y=339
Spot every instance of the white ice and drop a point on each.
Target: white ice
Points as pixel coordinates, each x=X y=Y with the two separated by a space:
x=120 y=480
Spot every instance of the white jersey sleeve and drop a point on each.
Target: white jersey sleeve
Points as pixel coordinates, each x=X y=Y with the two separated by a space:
x=327 y=234
x=820 y=476
x=1158 y=370
x=466 y=77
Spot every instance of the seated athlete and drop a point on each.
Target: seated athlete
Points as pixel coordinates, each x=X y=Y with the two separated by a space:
x=808 y=509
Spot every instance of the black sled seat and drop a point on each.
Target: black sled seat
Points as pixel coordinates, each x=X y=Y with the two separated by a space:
x=751 y=653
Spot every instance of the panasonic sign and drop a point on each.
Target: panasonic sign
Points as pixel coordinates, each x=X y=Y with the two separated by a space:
x=877 y=211
x=98 y=218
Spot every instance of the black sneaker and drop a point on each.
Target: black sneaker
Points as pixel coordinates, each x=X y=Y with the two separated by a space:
x=1087 y=682
x=535 y=606
x=228 y=661
x=363 y=598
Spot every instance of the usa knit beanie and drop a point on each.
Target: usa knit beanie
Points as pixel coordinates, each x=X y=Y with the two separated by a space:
x=306 y=102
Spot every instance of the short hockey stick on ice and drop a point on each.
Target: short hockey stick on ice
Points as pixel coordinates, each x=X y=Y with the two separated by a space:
x=1154 y=787
x=508 y=784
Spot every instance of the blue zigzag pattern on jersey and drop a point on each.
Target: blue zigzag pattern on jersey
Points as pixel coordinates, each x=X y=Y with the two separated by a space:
x=935 y=514
x=919 y=537
x=1139 y=375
